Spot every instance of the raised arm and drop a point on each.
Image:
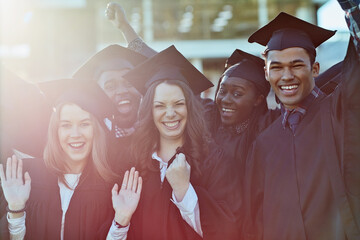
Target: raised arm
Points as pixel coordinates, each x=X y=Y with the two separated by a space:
x=116 y=14
x=352 y=16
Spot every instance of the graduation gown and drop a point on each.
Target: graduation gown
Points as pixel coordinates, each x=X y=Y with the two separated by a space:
x=305 y=185
x=90 y=211
x=158 y=218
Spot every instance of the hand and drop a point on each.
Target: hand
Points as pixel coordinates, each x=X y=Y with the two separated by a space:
x=16 y=192
x=178 y=175
x=126 y=201
x=116 y=14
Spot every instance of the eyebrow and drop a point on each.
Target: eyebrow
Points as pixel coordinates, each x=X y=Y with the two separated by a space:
x=182 y=99
x=233 y=85
x=83 y=120
x=292 y=62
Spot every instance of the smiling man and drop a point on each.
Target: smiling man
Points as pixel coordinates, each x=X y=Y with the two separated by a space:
x=107 y=68
x=302 y=178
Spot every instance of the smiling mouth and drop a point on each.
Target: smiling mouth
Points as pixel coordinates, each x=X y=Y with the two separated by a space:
x=76 y=145
x=123 y=102
x=289 y=87
x=171 y=125
x=227 y=110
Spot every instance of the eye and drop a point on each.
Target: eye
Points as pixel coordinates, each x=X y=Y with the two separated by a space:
x=158 y=106
x=85 y=124
x=65 y=125
x=238 y=94
x=297 y=66
x=110 y=86
x=275 y=67
x=180 y=104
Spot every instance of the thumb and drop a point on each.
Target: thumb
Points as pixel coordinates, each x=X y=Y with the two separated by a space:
x=115 y=189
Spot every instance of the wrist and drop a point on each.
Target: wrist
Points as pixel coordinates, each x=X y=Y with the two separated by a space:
x=180 y=192
x=122 y=220
x=15 y=208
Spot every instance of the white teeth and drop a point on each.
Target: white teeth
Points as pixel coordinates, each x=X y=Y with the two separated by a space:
x=76 y=145
x=289 y=87
x=171 y=124
x=124 y=102
x=227 y=110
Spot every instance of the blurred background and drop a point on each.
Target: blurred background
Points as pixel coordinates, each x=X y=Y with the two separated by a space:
x=49 y=39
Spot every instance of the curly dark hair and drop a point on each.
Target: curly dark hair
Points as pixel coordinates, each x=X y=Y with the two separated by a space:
x=146 y=139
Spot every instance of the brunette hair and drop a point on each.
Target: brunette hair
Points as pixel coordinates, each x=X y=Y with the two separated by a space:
x=146 y=139
x=54 y=156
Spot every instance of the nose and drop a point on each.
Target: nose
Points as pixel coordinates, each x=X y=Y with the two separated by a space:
x=226 y=98
x=287 y=74
x=75 y=132
x=121 y=89
x=170 y=112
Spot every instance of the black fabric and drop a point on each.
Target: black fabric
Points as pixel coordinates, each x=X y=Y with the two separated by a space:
x=89 y=215
x=286 y=31
x=289 y=188
x=329 y=79
x=89 y=96
x=113 y=57
x=158 y=218
x=168 y=64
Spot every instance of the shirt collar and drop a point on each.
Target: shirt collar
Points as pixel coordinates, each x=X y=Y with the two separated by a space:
x=303 y=106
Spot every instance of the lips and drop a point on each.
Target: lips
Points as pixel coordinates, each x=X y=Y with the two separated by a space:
x=290 y=89
x=124 y=106
x=76 y=145
x=172 y=125
x=227 y=112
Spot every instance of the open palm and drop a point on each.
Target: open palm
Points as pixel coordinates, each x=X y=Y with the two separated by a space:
x=15 y=190
x=126 y=200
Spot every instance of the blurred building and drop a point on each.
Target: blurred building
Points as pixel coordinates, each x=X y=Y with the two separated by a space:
x=49 y=39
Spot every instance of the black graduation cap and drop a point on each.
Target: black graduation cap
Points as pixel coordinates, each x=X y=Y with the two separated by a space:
x=238 y=55
x=88 y=95
x=167 y=64
x=113 y=57
x=287 y=31
x=248 y=67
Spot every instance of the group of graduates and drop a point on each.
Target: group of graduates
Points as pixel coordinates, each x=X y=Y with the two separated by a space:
x=127 y=148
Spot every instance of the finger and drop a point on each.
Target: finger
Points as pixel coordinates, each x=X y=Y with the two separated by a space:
x=19 y=170
x=13 y=166
x=131 y=178
x=136 y=176
x=27 y=179
x=2 y=174
x=8 y=168
x=181 y=159
x=125 y=180
x=115 y=189
x=139 y=186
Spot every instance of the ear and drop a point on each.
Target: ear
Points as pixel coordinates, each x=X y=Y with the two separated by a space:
x=315 y=69
x=260 y=98
x=266 y=73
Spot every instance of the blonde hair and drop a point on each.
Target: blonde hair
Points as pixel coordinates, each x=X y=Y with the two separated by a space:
x=54 y=156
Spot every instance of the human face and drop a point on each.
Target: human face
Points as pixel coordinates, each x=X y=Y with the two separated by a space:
x=236 y=100
x=122 y=93
x=170 y=111
x=291 y=75
x=76 y=133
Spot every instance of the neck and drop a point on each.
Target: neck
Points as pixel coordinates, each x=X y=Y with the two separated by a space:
x=75 y=167
x=168 y=148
